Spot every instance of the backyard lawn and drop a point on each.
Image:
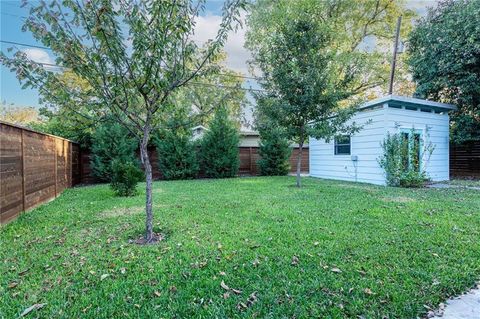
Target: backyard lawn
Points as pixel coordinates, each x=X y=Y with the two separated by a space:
x=331 y=249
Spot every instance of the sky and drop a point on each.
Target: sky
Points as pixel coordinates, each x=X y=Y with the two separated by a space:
x=12 y=17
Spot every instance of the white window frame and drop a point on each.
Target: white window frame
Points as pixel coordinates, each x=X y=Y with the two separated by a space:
x=349 y=146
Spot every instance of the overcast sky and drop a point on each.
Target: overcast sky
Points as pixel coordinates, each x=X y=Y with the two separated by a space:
x=207 y=26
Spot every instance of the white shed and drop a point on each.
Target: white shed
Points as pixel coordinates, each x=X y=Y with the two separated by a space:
x=355 y=158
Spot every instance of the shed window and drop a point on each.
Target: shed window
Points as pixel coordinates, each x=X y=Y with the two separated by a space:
x=342 y=145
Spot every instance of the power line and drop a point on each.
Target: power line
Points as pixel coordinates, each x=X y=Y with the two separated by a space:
x=12 y=15
x=47 y=48
x=188 y=83
x=25 y=45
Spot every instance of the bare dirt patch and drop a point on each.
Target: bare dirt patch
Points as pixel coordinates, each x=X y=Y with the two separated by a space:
x=122 y=211
x=157 y=237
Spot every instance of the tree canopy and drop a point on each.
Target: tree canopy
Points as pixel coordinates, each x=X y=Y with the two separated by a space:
x=365 y=27
x=445 y=62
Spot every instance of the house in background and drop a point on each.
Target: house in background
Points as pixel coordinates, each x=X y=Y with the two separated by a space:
x=247 y=138
x=355 y=157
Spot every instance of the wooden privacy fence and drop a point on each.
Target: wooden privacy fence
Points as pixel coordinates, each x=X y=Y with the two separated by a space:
x=465 y=160
x=34 y=167
x=248 y=163
x=249 y=157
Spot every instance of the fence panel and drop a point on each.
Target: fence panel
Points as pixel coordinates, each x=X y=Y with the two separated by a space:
x=34 y=167
x=465 y=160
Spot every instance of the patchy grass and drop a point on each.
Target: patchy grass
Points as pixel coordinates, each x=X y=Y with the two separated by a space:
x=465 y=182
x=331 y=249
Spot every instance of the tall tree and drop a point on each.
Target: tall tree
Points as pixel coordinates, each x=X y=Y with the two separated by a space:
x=316 y=60
x=219 y=147
x=111 y=141
x=304 y=84
x=176 y=151
x=133 y=54
x=445 y=62
x=274 y=148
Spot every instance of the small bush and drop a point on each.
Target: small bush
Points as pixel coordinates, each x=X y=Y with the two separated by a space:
x=413 y=179
x=404 y=161
x=219 y=147
x=274 y=152
x=124 y=178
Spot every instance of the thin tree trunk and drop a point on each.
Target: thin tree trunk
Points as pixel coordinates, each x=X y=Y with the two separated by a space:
x=299 y=163
x=148 y=190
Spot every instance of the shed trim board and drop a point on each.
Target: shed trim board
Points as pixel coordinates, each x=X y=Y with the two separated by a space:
x=389 y=114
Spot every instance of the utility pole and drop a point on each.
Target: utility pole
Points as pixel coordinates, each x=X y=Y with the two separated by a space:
x=394 y=58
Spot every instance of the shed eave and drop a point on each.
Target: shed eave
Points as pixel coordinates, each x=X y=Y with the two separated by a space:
x=408 y=101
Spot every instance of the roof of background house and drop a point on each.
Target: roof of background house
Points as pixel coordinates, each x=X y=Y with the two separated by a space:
x=403 y=100
x=242 y=132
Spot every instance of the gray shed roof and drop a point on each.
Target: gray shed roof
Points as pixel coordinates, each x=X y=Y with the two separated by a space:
x=408 y=101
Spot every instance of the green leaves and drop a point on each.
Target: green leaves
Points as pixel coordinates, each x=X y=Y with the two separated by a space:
x=176 y=151
x=219 y=147
x=445 y=62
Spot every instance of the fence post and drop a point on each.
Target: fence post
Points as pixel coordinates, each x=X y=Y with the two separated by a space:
x=70 y=156
x=23 y=171
x=55 y=164
x=66 y=162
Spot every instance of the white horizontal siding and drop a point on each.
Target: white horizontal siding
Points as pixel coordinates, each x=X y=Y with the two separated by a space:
x=366 y=145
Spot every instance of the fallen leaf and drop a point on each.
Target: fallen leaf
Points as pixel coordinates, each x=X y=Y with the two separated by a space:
x=104 y=276
x=336 y=270
x=226 y=295
x=86 y=308
x=23 y=272
x=295 y=261
x=250 y=301
x=36 y=306
x=368 y=291
x=236 y=291
x=157 y=293
x=123 y=271
x=241 y=306
x=12 y=284
x=224 y=286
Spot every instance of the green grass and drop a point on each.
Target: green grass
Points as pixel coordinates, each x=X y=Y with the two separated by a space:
x=398 y=250
x=465 y=182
